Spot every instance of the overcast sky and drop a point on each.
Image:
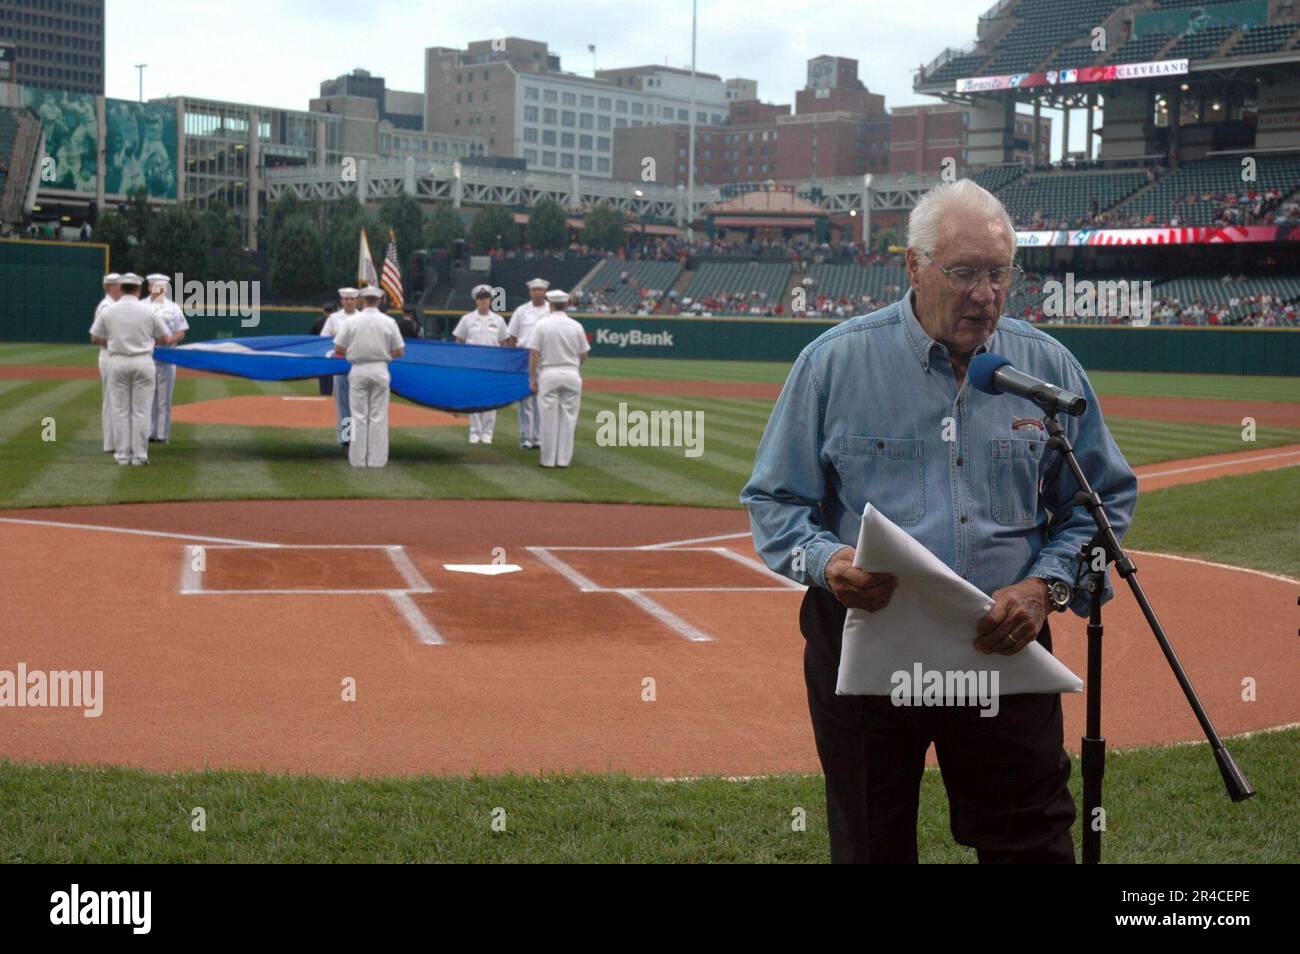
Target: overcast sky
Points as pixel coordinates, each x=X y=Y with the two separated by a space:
x=276 y=52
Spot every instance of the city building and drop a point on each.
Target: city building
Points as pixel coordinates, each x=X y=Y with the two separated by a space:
x=923 y=137
x=57 y=44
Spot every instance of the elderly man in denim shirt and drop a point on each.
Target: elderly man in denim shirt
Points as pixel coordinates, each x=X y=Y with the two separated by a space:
x=878 y=410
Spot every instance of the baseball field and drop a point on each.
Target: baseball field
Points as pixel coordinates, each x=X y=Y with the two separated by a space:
x=462 y=657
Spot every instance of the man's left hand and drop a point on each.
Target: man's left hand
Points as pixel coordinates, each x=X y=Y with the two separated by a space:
x=1015 y=619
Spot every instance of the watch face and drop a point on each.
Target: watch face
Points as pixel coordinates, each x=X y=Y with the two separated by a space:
x=1058 y=592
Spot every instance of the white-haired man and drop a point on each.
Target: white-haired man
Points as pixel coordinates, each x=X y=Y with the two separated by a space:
x=482 y=326
x=369 y=340
x=521 y=328
x=112 y=292
x=160 y=428
x=332 y=328
x=129 y=329
x=557 y=349
x=878 y=411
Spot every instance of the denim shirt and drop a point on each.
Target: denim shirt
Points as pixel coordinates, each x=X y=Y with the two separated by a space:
x=871 y=413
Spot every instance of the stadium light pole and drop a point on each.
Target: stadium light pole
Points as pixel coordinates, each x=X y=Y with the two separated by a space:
x=690 y=137
x=139 y=67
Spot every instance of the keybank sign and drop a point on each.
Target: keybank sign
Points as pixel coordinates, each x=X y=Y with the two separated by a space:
x=634 y=338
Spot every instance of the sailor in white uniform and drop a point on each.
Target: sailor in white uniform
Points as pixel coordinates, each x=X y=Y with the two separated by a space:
x=482 y=327
x=332 y=328
x=558 y=347
x=112 y=292
x=369 y=340
x=129 y=329
x=521 y=328
x=164 y=373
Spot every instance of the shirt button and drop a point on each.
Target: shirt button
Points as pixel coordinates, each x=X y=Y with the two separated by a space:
x=1031 y=446
x=959 y=461
x=963 y=518
x=880 y=445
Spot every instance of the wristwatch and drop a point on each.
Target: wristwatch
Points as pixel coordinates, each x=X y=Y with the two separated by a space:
x=1059 y=593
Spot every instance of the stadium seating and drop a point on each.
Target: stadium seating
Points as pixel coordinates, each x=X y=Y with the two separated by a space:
x=1267 y=39
x=713 y=278
x=1221 y=174
x=994 y=178
x=1040 y=27
x=512 y=274
x=1067 y=195
x=853 y=281
x=1140 y=49
x=604 y=281
x=1201 y=46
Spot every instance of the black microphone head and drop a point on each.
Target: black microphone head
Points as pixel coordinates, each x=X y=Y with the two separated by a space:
x=982 y=369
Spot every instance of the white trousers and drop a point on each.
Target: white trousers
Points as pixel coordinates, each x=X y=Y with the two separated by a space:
x=528 y=436
x=368 y=401
x=164 y=384
x=131 y=384
x=106 y=403
x=482 y=425
x=342 y=401
x=559 y=396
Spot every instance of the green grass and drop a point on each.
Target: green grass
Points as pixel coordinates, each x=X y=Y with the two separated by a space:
x=1163 y=805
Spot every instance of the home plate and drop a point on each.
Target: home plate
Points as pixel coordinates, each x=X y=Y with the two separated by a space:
x=483 y=569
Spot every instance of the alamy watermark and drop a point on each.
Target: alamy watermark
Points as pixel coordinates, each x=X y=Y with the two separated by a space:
x=55 y=689
x=946 y=687
x=242 y=300
x=1098 y=299
x=658 y=428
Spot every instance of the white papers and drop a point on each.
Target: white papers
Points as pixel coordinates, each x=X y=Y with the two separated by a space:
x=930 y=620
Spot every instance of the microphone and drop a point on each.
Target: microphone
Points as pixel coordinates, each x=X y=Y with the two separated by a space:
x=993 y=374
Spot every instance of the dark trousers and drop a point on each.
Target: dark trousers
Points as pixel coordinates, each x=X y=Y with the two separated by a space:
x=326 y=384
x=1005 y=775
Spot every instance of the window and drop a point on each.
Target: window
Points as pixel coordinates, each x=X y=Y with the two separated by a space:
x=549 y=96
x=530 y=92
x=602 y=164
x=548 y=158
x=566 y=140
x=584 y=163
x=588 y=102
x=584 y=142
x=683 y=115
x=637 y=122
x=548 y=116
x=567 y=118
x=566 y=160
x=569 y=99
x=602 y=123
x=716 y=119
x=638 y=109
x=530 y=114
x=620 y=106
x=621 y=123
x=604 y=102
x=530 y=134
x=548 y=137
x=586 y=121
x=602 y=143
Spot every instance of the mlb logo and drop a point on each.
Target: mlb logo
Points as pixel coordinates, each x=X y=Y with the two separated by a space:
x=1069 y=76
x=1051 y=77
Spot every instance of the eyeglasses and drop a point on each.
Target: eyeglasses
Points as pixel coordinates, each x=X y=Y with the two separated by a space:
x=962 y=278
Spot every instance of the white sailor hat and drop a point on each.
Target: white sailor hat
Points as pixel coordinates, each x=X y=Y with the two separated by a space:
x=158 y=278
x=482 y=290
x=131 y=278
x=112 y=278
x=539 y=283
x=559 y=296
x=348 y=293
x=372 y=291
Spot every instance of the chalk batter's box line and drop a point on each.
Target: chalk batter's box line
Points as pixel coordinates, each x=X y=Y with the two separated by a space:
x=639 y=595
x=192 y=580
x=424 y=630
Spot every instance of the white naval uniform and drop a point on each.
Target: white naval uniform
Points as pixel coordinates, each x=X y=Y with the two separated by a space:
x=489 y=330
x=369 y=339
x=521 y=329
x=105 y=403
x=131 y=327
x=332 y=328
x=165 y=373
x=560 y=343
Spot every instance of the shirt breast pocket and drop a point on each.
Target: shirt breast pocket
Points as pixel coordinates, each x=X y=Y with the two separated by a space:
x=1014 y=482
x=885 y=472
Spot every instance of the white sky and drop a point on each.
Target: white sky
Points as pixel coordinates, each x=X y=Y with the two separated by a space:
x=276 y=52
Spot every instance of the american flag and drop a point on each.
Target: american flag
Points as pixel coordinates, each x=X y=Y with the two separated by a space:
x=391 y=279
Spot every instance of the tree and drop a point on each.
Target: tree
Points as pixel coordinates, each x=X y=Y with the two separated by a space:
x=297 y=258
x=443 y=227
x=884 y=239
x=138 y=213
x=403 y=215
x=604 y=227
x=114 y=230
x=283 y=208
x=342 y=240
x=174 y=243
x=221 y=238
x=547 y=225
x=494 y=227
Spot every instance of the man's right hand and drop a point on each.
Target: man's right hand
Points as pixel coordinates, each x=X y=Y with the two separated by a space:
x=858 y=589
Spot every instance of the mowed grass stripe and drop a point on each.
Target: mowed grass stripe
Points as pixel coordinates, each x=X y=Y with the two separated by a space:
x=73 y=460
x=715 y=433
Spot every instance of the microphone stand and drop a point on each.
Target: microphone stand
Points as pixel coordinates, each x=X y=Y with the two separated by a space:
x=1096 y=555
